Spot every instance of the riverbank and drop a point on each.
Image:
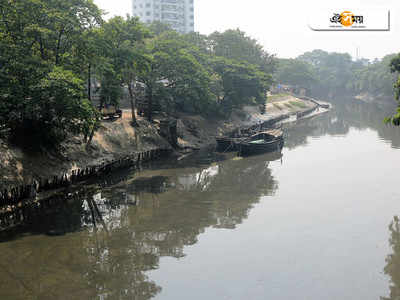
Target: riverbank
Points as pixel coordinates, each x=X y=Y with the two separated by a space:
x=370 y=98
x=114 y=141
x=117 y=140
x=184 y=216
x=195 y=132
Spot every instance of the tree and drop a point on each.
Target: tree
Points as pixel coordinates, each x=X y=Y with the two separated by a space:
x=61 y=104
x=168 y=70
x=241 y=82
x=334 y=71
x=295 y=72
x=120 y=36
x=158 y=28
x=236 y=45
x=395 y=68
x=39 y=45
x=374 y=78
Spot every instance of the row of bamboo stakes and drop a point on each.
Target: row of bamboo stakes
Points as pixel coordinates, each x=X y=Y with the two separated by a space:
x=16 y=195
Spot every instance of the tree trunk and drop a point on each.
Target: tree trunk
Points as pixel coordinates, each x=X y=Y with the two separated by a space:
x=89 y=83
x=59 y=46
x=42 y=55
x=133 y=104
x=150 y=103
x=91 y=135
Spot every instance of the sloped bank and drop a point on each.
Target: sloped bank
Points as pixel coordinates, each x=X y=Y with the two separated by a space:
x=195 y=132
x=114 y=143
x=118 y=144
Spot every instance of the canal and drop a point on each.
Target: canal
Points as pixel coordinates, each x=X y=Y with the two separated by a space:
x=317 y=222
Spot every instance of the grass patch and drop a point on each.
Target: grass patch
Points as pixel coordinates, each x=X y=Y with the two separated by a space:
x=277 y=96
x=288 y=105
x=298 y=104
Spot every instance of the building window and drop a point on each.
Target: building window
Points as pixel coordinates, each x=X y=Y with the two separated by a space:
x=148 y=13
x=148 y=5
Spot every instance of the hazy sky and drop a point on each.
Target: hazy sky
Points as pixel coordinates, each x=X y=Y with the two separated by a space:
x=281 y=25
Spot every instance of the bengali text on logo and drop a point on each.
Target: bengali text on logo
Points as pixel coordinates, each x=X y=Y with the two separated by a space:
x=347 y=19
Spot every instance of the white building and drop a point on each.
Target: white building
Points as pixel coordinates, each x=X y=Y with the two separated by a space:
x=177 y=13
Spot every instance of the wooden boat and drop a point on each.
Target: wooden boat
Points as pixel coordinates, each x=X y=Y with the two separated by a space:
x=228 y=144
x=266 y=141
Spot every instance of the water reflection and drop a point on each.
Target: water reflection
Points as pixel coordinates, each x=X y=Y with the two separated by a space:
x=101 y=245
x=347 y=114
x=392 y=268
x=143 y=218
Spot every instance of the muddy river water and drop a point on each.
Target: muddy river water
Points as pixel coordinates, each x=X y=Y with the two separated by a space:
x=317 y=222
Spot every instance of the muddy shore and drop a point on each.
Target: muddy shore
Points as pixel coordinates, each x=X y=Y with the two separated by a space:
x=118 y=139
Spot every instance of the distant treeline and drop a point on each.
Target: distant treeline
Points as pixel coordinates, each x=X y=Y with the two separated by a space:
x=334 y=74
x=55 y=55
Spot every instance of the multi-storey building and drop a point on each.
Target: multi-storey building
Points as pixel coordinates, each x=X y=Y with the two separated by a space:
x=177 y=13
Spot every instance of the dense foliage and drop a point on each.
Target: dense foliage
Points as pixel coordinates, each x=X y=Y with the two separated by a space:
x=395 y=68
x=334 y=74
x=42 y=94
x=189 y=73
x=296 y=73
x=59 y=60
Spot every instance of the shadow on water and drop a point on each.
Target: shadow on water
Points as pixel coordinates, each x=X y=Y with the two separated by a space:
x=101 y=245
x=140 y=219
x=392 y=268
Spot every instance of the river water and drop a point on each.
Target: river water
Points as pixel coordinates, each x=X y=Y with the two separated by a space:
x=317 y=223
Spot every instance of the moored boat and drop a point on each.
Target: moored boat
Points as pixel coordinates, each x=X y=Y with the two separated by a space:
x=266 y=141
x=226 y=144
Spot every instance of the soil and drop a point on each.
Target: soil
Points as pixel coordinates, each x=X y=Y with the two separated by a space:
x=117 y=139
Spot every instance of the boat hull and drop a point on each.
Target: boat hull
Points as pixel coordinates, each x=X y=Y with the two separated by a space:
x=225 y=144
x=246 y=149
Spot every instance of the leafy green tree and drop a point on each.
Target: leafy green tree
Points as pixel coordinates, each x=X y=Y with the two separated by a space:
x=241 y=83
x=200 y=41
x=375 y=78
x=120 y=36
x=39 y=45
x=334 y=71
x=91 y=58
x=168 y=70
x=236 y=45
x=395 y=68
x=60 y=103
x=158 y=28
x=295 y=72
